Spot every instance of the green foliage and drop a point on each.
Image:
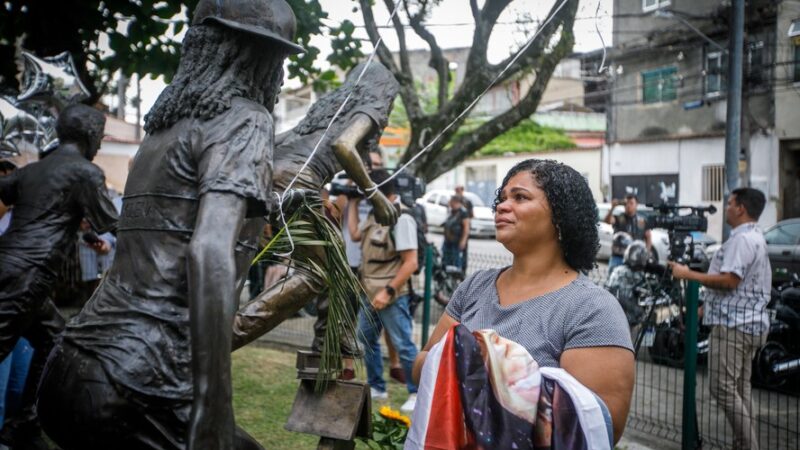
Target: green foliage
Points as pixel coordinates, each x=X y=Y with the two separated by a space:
x=389 y=430
x=318 y=249
x=527 y=137
x=144 y=36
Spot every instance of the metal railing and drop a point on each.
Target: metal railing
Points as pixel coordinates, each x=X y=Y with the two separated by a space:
x=672 y=368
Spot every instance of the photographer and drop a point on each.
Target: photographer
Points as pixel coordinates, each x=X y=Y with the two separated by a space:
x=628 y=222
x=739 y=282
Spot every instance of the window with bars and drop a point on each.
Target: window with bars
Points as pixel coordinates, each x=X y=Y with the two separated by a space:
x=659 y=85
x=797 y=62
x=713 y=183
x=650 y=5
x=716 y=81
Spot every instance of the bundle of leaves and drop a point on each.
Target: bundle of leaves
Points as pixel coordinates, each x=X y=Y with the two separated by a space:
x=389 y=429
x=311 y=244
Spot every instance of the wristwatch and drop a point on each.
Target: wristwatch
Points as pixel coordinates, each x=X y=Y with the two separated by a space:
x=390 y=290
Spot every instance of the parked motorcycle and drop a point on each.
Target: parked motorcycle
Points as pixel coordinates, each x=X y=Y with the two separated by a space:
x=778 y=361
x=654 y=305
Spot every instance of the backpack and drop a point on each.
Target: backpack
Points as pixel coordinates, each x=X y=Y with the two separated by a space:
x=422 y=241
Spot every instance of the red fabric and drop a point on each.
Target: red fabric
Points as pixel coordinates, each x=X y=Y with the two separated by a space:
x=446 y=427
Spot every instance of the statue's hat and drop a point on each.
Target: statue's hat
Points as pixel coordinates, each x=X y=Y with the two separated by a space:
x=271 y=19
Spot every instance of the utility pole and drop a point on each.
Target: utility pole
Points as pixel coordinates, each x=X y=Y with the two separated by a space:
x=734 y=114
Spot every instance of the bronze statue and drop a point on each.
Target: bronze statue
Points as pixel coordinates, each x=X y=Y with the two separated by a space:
x=346 y=145
x=146 y=364
x=50 y=197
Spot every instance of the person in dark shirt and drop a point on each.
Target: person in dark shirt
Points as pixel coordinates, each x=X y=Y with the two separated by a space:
x=630 y=221
x=50 y=197
x=146 y=364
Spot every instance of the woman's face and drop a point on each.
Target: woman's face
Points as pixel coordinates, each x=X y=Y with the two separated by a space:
x=523 y=218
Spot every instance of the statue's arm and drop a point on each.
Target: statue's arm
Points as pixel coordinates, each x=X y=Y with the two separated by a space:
x=212 y=303
x=344 y=147
x=346 y=151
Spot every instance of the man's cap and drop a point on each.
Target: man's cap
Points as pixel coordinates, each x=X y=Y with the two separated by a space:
x=271 y=19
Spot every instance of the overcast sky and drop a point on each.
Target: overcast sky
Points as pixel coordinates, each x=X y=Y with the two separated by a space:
x=452 y=24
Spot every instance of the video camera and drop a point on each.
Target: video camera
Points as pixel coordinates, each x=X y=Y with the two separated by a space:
x=409 y=187
x=679 y=227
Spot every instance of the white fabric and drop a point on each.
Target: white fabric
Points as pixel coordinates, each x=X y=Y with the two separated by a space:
x=422 y=412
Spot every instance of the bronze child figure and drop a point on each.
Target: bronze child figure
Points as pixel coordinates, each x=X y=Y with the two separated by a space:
x=346 y=145
x=146 y=364
x=50 y=197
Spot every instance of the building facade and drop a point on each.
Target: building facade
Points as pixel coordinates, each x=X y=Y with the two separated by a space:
x=667 y=103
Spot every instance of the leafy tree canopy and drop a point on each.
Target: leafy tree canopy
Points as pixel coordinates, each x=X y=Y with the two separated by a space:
x=141 y=35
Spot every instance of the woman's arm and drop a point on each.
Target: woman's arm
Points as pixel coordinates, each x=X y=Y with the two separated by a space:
x=462 y=243
x=609 y=372
x=445 y=323
x=346 y=151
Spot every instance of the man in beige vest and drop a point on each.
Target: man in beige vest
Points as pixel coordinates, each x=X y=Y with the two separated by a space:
x=388 y=259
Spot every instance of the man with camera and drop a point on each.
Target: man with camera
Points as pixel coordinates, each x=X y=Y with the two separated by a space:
x=388 y=260
x=628 y=222
x=739 y=281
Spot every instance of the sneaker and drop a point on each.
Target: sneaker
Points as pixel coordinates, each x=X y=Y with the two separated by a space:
x=378 y=395
x=409 y=405
x=347 y=374
x=397 y=374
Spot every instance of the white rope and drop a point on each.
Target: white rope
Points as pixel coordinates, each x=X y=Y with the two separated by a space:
x=282 y=197
x=600 y=35
x=477 y=99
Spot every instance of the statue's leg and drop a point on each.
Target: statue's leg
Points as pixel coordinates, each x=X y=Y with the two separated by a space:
x=80 y=408
x=273 y=306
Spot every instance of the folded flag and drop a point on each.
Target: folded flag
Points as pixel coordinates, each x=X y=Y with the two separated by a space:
x=501 y=399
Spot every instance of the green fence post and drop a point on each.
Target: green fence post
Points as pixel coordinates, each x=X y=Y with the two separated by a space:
x=689 y=436
x=426 y=303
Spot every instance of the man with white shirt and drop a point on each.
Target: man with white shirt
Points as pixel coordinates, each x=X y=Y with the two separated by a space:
x=388 y=260
x=739 y=282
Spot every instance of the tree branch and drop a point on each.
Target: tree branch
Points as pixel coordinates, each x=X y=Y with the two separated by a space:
x=473 y=141
x=484 y=23
x=561 y=15
x=437 y=61
x=406 y=79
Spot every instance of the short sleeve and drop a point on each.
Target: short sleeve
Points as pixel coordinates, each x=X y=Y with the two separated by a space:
x=737 y=257
x=458 y=303
x=597 y=320
x=98 y=208
x=236 y=155
x=405 y=233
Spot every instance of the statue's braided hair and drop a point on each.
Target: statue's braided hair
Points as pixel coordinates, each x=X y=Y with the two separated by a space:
x=218 y=64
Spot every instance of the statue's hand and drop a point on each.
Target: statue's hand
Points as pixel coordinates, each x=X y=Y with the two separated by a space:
x=385 y=211
x=291 y=201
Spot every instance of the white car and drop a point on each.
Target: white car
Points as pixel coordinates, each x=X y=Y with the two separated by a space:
x=437 y=208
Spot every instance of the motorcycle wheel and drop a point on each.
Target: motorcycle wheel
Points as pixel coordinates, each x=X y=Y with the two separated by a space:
x=766 y=356
x=667 y=347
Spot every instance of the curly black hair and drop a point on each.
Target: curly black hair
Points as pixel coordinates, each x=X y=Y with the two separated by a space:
x=574 y=211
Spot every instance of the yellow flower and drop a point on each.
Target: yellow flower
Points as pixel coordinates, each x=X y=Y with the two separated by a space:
x=391 y=414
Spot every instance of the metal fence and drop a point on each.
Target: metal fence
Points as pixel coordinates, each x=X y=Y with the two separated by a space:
x=658 y=407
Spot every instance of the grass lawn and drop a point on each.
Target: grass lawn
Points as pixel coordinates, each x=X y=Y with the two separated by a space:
x=264 y=386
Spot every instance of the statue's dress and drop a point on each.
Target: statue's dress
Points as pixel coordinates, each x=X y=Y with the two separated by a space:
x=123 y=375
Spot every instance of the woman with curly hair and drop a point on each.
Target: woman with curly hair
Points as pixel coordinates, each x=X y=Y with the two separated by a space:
x=546 y=217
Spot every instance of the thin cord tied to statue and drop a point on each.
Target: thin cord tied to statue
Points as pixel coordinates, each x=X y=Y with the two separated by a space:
x=327 y=128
